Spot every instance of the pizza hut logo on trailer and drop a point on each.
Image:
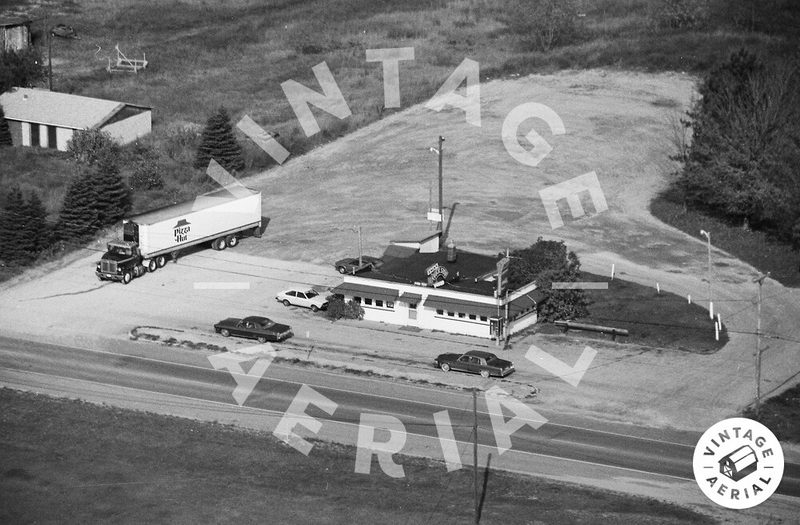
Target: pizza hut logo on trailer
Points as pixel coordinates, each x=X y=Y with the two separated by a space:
x=738 y=463
x=181 y=230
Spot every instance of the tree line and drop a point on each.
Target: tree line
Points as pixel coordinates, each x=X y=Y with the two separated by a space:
x=741 y=162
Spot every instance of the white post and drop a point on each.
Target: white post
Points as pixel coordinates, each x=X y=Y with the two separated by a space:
x=719 y=320
x=612 y=271
x=716 y=330
x=658 y=288
x=711 y=309
x=690 y=298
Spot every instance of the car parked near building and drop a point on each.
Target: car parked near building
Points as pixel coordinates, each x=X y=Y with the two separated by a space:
x=262 y=329
x=352 y=266
x=307 y=299
x=476 y=362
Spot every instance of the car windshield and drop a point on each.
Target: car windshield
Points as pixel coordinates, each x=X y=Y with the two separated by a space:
x=311 y=293
x=266 y=323
x=119 y=250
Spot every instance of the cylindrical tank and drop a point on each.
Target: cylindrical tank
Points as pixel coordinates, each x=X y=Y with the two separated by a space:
x=451 y=251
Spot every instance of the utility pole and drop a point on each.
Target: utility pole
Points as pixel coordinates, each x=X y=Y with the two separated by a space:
x=474 y=445
x=360 y=250
x=760 y=281
x=708 y=244
x=441 y=209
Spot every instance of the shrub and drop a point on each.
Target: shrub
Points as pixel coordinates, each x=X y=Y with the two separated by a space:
x=88 y=146
x=338 y=308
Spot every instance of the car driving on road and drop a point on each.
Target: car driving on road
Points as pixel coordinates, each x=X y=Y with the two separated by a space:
x=476 y=362
x=308 y=299
x=262 y=329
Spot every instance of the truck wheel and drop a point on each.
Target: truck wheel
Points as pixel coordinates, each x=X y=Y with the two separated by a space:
x=138 y=270
x=219 y=244
x=152 y=265
x=161 y=261
x=127 y=277
x=224 y=332
x=231 y=241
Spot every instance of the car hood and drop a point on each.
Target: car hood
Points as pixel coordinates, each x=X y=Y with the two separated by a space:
x=109 y=256
x=448 y=357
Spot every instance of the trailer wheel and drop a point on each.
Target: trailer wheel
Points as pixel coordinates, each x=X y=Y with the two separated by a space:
x=161 y=261
x=138 y=270
x=152 y=265
x=127 y=277
x=218 y=244
x=231 y=241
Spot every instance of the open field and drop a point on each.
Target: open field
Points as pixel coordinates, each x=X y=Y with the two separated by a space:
x=74 y=462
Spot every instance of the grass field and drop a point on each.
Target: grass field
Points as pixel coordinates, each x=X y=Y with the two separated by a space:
x=72 y=462
x=659 y=320
x=781 y=414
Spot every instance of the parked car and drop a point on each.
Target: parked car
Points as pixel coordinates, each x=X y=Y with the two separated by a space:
x=260 y=328
x=350 y=265
x=308 y=299
x=476 y=362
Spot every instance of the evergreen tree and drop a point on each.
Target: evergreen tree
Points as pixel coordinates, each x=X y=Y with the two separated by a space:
x=79 y=213
x=35 y=227
x=218 y=142
x=5 y=133
x=113 y=196
x=12 y=218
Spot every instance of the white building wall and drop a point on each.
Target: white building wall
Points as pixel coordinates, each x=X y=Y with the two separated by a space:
x=63 y=135
x=427 y=317
x=26 y=134
x=522 y=323
x=127 y=130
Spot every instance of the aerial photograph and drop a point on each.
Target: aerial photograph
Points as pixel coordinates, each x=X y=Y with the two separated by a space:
x=400 y=262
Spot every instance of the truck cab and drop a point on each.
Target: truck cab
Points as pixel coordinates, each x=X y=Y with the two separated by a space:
x=121 y=262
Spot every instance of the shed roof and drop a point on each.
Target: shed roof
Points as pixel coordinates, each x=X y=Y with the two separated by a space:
x=64 y=110
x=11 y=21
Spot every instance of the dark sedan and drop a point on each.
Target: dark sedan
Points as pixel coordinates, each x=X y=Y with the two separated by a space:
x=259 y=328
x=476 y=362
x=353 y=267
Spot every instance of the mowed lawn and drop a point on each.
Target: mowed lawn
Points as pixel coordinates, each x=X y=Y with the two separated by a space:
x=67 y=461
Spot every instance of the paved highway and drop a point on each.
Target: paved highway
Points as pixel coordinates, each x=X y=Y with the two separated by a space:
x=195 y=378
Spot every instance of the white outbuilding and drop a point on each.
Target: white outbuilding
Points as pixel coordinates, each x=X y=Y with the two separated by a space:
x=47 y=119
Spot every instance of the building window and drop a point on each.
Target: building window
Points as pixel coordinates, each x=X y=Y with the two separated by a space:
x=451 y=314
x=412 y=306
x=473 y=316
x=439 y=311
x=389 y=304
x=461 y=315
x=483 y=318
x=378 y=302
x=367 y=300
x=357 y=299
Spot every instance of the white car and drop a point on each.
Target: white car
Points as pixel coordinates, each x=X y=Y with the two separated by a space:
x=308 y=299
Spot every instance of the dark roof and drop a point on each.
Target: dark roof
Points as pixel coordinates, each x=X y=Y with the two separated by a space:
x=363 y=290
x=10 y=21
x=525 y=302
x=408 y=267
x=460 y=305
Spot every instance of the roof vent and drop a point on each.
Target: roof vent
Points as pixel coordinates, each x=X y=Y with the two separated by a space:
x=24 y=96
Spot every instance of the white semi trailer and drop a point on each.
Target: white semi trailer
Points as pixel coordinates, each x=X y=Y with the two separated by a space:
x=219 y=218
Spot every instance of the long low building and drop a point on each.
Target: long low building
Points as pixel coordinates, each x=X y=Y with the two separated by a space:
x=452 y=291
x=47 y=119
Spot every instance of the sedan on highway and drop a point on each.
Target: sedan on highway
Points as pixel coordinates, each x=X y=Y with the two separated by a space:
x=307 y=299
x=476 y=362
x=259 y=328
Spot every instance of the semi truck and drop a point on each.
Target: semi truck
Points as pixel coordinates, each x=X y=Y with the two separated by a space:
x=219 y=217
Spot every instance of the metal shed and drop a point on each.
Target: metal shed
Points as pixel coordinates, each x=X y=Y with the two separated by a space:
x=15 y=33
